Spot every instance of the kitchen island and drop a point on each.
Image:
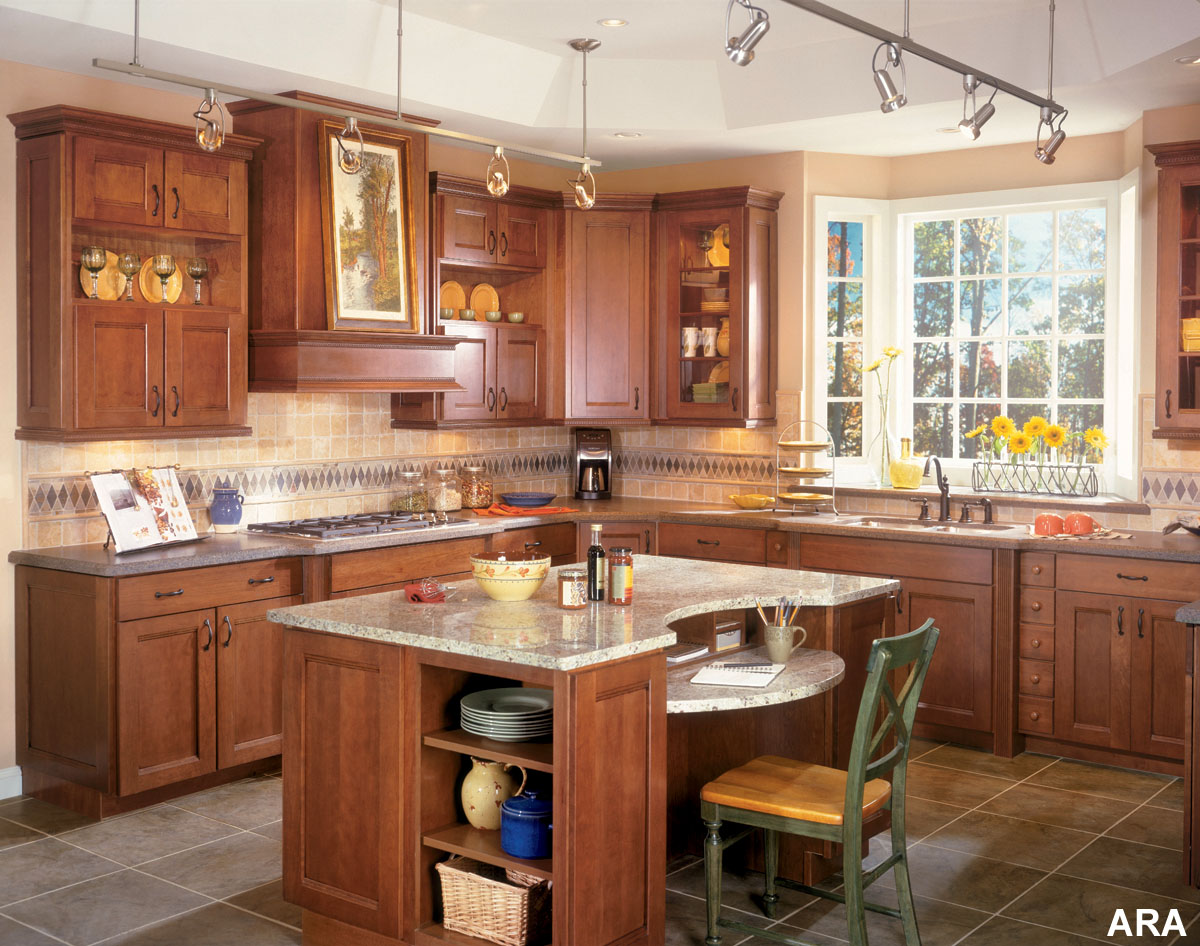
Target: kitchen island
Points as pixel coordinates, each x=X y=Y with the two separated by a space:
x=373 y=755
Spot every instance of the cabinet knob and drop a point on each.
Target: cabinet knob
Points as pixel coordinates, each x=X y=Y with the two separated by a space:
x=778 y=546
x=1035 y=716
x=1036 y=606
x=1037 y=569
x=1035 y=678
x=1035 y=644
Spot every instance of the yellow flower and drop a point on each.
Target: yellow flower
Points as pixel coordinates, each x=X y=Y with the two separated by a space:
x=1035 y=426
x=1094 y=437
x=892 y=352
x=1019 y=442
x=1003 y=426
x=1055 y=435
x=874 y=366
x=972 y=434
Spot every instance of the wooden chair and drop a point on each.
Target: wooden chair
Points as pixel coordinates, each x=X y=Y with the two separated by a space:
x=815 y=801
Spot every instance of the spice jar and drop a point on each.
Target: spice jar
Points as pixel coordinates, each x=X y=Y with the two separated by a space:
x=476 y=488
x=620 y=575
x=572 y=588
x=444 y=494
x=412 y=497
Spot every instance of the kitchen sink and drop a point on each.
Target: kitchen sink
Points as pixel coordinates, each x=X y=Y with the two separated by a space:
x=922 y=525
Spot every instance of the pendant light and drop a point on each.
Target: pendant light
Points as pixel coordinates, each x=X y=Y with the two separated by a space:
x=891 y=98
x=740 y=49
x=970 y=126
x=1045 y=152
x=497 y=173
x=584 y=185
x=210 y=129
x=350 y=161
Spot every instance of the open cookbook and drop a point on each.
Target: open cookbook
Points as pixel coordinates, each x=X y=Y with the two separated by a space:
x=144 y=508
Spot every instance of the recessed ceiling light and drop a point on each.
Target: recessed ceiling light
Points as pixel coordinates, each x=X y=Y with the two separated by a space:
x=1188 y=60
x=951 y=130
x=613 y=21
x=627 y=134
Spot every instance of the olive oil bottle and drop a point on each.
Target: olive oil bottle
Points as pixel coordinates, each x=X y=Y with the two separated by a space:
x=595 y=566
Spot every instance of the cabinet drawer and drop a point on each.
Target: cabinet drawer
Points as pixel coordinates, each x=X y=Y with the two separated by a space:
x=1037 y=606
x=1035 y=715
x=835 y=553
x=1037 y=678
x=1036 y=641
x=777 y=548
x=1104 y=574
x=1037 y=568
x=716 y=543
x=401 y=563
x=555 y=540
x=172 y=592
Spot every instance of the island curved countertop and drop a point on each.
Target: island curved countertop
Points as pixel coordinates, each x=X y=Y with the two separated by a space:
x=808 y=672
x=538 y=633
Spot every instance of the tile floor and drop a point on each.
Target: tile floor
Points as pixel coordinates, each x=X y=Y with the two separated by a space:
x=1032 y=850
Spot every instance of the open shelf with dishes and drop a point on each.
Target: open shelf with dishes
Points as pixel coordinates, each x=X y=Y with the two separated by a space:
x=805 y=457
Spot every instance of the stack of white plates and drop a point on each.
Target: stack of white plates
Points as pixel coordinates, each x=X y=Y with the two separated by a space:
x=509 y=714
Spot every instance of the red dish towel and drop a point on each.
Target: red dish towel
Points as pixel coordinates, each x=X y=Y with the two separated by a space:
x=501 y=509
x=414 y=594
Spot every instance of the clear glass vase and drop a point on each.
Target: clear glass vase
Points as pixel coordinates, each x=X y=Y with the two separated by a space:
x=880 y=454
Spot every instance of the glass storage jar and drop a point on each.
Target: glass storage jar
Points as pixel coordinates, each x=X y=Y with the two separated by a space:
x=476 y=488
x=444 y=493
x=412 y=497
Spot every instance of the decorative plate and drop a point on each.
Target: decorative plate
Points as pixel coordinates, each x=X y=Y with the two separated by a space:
x=804 y=444
x=719 y=373
x=532 y=500
x=719 y=254
x=110 y=281
x=452 y=296
x=809 y=472
x=803 y=498
x=151 y=285
x=484 y=298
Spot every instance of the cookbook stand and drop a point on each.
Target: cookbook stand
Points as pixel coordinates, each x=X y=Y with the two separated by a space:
x=125 y=504
x=799 y=451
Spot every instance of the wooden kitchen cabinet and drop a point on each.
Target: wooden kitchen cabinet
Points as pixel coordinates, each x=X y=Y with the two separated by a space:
x=713 y=543
x=490 y=230
x=636 y=535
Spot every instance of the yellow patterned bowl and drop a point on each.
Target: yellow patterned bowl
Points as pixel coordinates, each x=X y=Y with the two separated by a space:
x=753 y=500
x=510 y=576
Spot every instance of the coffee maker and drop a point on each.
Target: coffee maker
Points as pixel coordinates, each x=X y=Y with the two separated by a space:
x=593 y=463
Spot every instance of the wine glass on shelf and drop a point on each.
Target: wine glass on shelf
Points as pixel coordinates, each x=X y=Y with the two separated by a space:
x=197 y=268
x=94 y=259
x=705 y=242
x=129 y=264
x=164 y=268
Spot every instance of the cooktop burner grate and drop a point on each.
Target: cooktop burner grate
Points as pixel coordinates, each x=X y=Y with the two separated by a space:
x=338 y=527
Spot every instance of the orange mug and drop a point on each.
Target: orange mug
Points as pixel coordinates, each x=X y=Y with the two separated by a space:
x=1079 y=523
x=1048 y=524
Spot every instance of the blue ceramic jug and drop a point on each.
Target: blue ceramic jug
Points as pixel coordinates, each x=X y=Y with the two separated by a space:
x=226 y=509
x=525 y=826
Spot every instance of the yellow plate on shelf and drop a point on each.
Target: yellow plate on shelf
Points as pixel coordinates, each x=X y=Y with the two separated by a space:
x=151 y=285
x=484 y=298
x=804 y=444
x=804 y=497
x=110 y=281
x=719 y=254
x=808 y=472
x=452 y=296
x=719 y=373
x=753 y=500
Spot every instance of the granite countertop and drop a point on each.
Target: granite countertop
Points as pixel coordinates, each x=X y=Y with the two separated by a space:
x=1189 y=613
x=808 y=672
x=538 y=633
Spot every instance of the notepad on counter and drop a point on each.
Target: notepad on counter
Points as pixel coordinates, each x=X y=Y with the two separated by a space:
x=678 y=653
x=737 y=674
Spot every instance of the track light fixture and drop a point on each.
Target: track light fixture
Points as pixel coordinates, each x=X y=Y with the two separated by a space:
x=1045 y=152
x=970 y=126
x=497 y=173
x=584 y=185
x=210 y=127
x=740 y=49
x=351 y=161
x=892 y=99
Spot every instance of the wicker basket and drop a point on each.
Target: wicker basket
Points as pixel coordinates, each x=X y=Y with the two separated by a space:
x=479 y=900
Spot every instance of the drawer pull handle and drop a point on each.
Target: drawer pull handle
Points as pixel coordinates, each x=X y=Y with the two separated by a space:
x=708 y=542
x=1037 y=569
x=158 y=200
x=260 y=581
x=647 y=549
x=1168 y=400
x=157 y=400
x=1036 y=606
x=1133 y=577
x=175 y=391
x=778 y=546
x=491 y=399
x=637 y=397
x=503 y=243
x=1035 y=716
x=1121 y=621
x=168 y=594
x=1035 y=678
x=229 y=629
x=533 y=545
x=503 y=400
x=1141 y=614
x=1035 y=643
x=208 y=643
x=491 y=241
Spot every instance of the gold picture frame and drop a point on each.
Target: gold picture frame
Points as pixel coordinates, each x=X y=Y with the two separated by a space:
x=361 y=293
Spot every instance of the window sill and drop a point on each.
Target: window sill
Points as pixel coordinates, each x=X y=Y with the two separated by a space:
x=1102 y=503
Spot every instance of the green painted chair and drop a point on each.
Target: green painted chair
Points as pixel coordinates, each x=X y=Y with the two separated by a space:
x=815 y=801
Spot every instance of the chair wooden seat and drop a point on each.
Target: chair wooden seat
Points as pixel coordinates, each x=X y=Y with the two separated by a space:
x=801 y=790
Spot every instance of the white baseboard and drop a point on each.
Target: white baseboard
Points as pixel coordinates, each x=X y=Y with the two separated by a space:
x=10 y=782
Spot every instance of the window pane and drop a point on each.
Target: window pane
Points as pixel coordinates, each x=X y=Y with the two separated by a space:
x=845 y=309
x=1030 y=243
x=1081 y=305
x=1029 y=305
x=932 y=304
x=980 y=245
x=1079 y=417
x=1081 y=236
x=932 y=434
x=979 y=307
x=933 y=370
x=979 y=369
x=845 y=427
x=933 y=248
x=844 y=369
x=971 y=416
x=1020 y=413
x=845 y=248
x=1081 y=368
x=1029 y=369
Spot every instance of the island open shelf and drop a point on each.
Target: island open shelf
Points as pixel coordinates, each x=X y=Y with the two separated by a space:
x=538 y=756
x=484 y=846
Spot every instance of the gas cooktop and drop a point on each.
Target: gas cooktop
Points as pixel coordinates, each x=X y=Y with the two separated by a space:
x=339 y=527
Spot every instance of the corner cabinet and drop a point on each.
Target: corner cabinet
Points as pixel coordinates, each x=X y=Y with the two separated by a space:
x=97 y=369
x=717 y=278
x=1177 y=395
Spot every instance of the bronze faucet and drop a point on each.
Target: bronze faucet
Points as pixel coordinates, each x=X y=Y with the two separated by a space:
x=943 y=485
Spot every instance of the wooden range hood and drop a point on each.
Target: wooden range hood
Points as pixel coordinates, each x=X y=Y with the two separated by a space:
x=291 y=347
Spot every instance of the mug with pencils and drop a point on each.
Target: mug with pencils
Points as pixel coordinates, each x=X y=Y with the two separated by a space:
x=780 y=634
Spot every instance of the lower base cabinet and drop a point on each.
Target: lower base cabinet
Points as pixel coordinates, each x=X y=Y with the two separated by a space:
x=635 y=535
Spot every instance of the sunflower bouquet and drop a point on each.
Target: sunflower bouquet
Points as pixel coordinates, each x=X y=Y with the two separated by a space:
x=1039 y=440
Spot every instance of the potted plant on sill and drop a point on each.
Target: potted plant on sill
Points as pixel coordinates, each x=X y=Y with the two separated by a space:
x=1039 y=457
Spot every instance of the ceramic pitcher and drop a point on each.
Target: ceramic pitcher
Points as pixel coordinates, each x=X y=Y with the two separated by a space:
x=488 y=786
x=226 y=509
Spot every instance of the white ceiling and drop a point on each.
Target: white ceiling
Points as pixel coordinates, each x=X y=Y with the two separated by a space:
x=502 y=67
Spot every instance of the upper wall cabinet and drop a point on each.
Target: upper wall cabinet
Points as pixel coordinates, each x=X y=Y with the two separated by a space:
x=128 y=364
x=489 y=231
x=716 y=318
x=1177 y=401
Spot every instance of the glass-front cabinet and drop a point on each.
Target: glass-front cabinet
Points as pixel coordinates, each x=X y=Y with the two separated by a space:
x=1177 y=404
x=717 y=319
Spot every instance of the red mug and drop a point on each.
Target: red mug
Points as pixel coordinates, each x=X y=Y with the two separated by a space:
x=1048 y=524
x=1079 y=523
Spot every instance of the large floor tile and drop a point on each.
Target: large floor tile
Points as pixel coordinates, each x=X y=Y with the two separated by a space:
x=984 y=763
x=940 y=924
x=149 y=834
x=951 y=787
x=1011 y=840
x=1002 y=931
x=12 y=834
x=215 y=925
x=976 y=882
x=1087 y=908
x=1160 y=826
x=740 y=890
x=268 y=901
x=1088 y=779
x=249 y=803
x=1136 y=866
x=13 y=933
x=923 y=816
x=1059 y=808
x=687 y=926
x=98 y=909
x=42 y=816
x=919 y=747
x=272 y=830
x=42 y=866
x=1170 y=797
x=222 y=868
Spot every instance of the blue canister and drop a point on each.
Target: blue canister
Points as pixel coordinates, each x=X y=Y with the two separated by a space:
x=226 y=509
x=525 y=826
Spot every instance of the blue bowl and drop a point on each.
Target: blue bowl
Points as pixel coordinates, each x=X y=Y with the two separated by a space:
x=531 y=500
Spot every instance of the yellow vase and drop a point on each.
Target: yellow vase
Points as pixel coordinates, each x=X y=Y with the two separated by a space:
x=486 y=787
x=906 y=471
x=723 y=338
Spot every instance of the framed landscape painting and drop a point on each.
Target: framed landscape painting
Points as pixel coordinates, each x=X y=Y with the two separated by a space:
x=367 y=221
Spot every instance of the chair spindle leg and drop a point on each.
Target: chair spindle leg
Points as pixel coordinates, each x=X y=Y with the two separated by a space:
x=712 y=880
x=771 y=866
